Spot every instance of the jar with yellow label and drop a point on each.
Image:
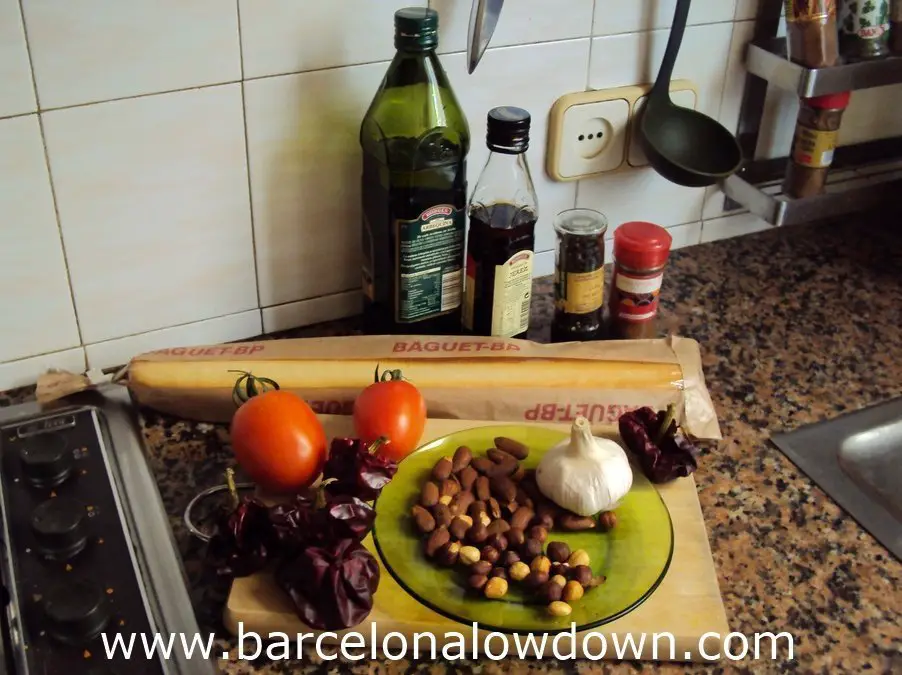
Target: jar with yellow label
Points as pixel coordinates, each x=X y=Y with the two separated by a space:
x=578 y=275
x=814 y=143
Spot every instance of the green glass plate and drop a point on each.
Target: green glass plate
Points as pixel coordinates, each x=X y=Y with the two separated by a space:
x=634 y=556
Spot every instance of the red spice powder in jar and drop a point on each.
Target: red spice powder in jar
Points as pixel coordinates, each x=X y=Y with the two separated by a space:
x=641 y=252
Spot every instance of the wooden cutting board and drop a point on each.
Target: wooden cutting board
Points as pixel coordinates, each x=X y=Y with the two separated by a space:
x=686 y=605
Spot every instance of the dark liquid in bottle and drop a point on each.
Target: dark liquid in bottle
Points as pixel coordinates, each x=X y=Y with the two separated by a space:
x=404 y=189
x=497 y=232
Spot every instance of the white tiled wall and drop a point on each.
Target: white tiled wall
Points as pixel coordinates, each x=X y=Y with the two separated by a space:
x=187 y=172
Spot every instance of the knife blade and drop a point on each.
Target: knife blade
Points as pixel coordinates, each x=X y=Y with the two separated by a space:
x=483 y=20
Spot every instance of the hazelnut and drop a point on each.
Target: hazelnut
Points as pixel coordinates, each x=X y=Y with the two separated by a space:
x=539 y=533
x=559 y=580
x=518 y=571
x=485 y=519
x=499 y=572
x=429 y=494
x=515 y=537
x=607 y=521
x=498 y=541
x=442 y=515
x=445 y=499
x=468 y=555
x=535 y=579
x=540 y=564
x=477 y=534
x=436 y=540
x=481 y=567
x=550 y=591
x=478 y=581
x=495 y=588
x=560 y=568
x=490 y=554
x=578 y=557
x=573 y=591
x=582 y=574
x=558 y=551
x=447 y=554
x=509 y=558
x=459 y=527
x=559 y=608
x=530 y=549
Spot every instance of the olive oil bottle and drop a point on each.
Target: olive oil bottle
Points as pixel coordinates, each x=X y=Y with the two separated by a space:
x=415 y=139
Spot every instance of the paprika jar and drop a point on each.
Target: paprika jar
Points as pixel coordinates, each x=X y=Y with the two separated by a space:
x=814 y=143
x=641 y=252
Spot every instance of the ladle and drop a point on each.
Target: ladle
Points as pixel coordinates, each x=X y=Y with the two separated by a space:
x=683 y=145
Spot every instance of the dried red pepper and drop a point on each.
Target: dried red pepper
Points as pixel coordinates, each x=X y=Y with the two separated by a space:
x=357 y=469
x=242 y=543
x=655 y=438
x=331 y=586
x=321 y=519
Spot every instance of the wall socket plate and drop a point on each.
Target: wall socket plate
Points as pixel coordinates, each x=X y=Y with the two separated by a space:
x=590 y=132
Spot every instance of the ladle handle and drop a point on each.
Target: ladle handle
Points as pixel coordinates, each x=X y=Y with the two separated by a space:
x=680 y=17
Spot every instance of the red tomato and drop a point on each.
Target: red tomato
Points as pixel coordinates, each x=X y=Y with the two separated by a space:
x=392 y=408
x=279 y=441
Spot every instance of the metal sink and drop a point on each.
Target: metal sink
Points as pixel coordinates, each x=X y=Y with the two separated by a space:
x=857 y=460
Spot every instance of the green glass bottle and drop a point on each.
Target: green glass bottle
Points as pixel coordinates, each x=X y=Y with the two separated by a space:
x=415 y=139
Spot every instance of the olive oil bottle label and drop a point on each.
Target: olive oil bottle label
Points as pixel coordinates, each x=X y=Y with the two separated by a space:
x=430 y=263
x=512 y=295
x=583 y=292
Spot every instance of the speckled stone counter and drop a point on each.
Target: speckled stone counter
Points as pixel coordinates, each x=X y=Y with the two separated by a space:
x=796 y=325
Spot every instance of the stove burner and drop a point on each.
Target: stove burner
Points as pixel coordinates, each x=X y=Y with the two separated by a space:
x=59 y=528
x=76 y=612
x=46 y=460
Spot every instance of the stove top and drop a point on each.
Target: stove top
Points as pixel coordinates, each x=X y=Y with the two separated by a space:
x=89 y=565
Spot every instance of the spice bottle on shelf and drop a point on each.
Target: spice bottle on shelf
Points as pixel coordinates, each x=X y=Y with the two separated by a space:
x=578 y=275
x=641 y=251
x=415 y=139
x=501 y=240
x=895 y=26
x=864 y=29
x=814 y=143
x=812 y=32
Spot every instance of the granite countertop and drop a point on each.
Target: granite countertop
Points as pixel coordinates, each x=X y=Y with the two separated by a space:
x=796 y=325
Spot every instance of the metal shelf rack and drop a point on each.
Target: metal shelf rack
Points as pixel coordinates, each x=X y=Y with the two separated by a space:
x=756 y=186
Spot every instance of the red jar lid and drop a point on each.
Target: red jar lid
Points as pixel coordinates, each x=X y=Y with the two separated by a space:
x=640 y=245
x=830 y=101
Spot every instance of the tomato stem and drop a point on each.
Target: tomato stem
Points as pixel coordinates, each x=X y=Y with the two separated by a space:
x=388 y=375
x=253 y=386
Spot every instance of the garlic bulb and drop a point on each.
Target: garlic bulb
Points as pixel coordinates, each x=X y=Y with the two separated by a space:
x=585 y=474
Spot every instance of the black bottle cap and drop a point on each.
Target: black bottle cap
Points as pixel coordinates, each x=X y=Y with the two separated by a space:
x=416 y=29
x=508 y=130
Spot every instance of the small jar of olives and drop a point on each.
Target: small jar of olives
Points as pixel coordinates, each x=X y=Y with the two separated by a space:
x=578 y=275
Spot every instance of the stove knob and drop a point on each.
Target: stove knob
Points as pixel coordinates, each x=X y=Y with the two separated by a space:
x=76 y=612
x=59 y=527
x=46 y=460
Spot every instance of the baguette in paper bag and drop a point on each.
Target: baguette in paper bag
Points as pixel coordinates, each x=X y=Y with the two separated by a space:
x=460 y=377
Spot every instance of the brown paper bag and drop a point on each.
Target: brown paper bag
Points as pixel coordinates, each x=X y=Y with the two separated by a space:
x=460 y=377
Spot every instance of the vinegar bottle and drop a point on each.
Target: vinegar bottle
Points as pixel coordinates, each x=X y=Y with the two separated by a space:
x=500 y=249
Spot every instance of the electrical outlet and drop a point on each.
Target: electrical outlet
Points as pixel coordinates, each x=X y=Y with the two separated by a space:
x=589 y=132
x=682 y=97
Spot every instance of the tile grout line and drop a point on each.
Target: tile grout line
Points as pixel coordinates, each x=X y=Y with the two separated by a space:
x=56 y=210
x=247 y=164
x=588 y=36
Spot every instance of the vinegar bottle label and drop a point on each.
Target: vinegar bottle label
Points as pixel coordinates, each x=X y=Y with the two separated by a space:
x=512 y=295
x=430 y=264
